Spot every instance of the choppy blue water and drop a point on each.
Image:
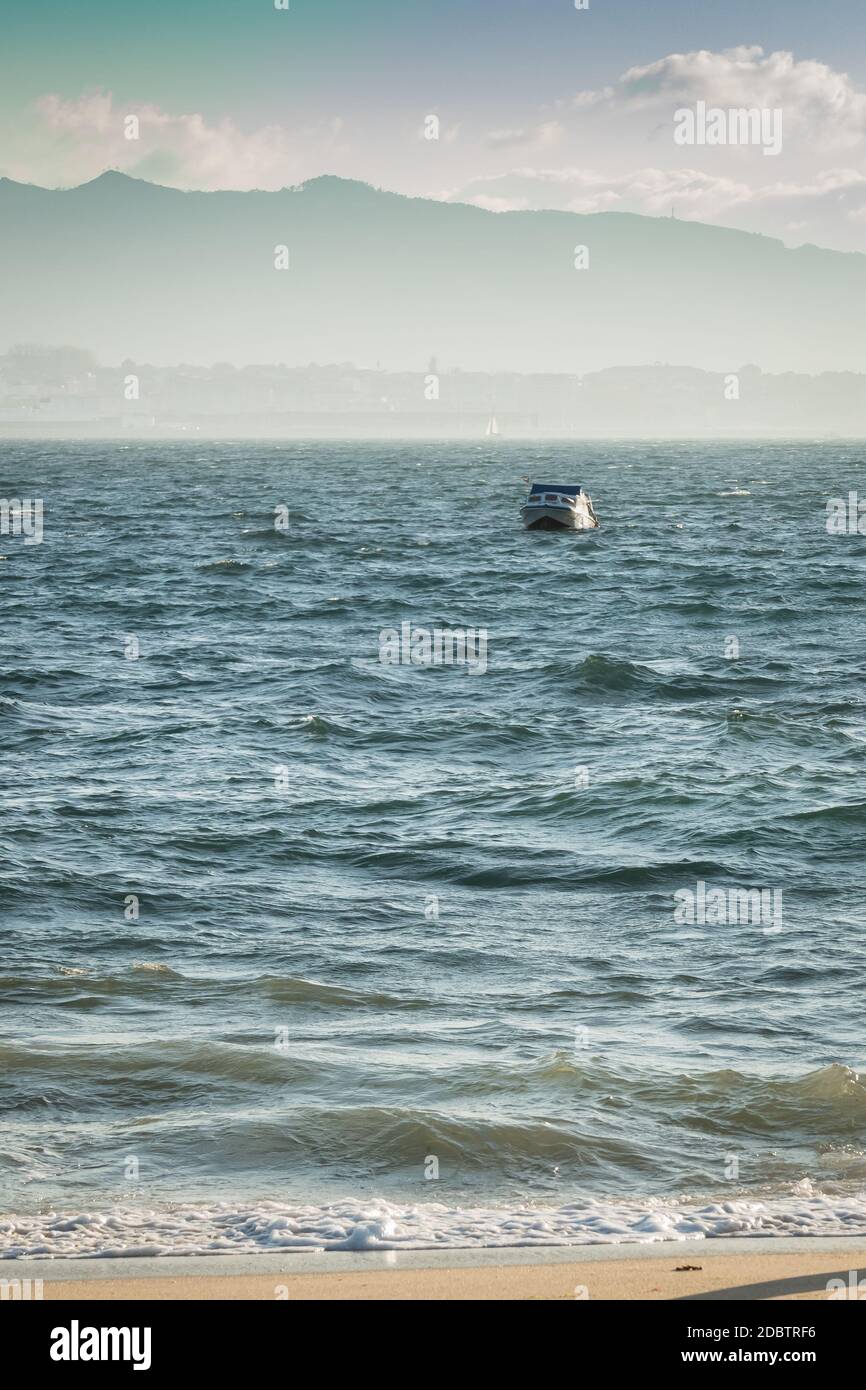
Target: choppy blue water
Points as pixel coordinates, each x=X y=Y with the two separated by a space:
x=390 y=914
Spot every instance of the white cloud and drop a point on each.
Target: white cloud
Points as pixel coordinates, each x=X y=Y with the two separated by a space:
x=827 y=183
x=650 y=190
x=820 y=104
x=693 y=194
x=87 y=136
x=490 y=203
x=811 y=187
x=546 y=134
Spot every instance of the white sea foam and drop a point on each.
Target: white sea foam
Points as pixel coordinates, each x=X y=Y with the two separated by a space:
x=270 y=1227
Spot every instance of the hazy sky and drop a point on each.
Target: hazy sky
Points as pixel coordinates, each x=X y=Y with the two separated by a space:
x=539 y=104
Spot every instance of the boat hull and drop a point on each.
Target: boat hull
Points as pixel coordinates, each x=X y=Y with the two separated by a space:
x=555 y=519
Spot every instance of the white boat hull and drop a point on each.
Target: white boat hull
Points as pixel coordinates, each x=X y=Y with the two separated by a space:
x=548 y=518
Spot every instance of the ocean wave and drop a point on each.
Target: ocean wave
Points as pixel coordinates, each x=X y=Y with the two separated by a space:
x=267 y=533
x=142 y=977
x=225 y=567
x=273 y=1228
x=288 y=989
x=607 y=675
x=444 y=862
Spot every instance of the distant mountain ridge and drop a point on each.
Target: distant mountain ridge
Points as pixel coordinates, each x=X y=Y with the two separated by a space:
x=131 y=269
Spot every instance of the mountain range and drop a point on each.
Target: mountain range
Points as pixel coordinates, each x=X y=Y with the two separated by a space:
x=134 y=270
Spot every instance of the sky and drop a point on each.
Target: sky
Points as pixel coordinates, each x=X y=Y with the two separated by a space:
x=538 y=104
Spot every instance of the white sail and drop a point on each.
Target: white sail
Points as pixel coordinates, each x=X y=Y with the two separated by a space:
x=492 y=427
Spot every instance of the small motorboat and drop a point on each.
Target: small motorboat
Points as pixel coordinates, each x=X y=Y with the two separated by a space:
x=552 y=507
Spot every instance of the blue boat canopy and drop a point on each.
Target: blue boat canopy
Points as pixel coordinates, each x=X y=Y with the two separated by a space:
x=568 y=489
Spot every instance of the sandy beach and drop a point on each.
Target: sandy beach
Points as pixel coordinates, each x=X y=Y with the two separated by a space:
x=802 y=1270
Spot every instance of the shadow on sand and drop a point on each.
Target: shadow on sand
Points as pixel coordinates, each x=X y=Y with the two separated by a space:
x=776 y=1288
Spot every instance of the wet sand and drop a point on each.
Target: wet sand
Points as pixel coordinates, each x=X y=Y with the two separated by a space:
x=684 y=1273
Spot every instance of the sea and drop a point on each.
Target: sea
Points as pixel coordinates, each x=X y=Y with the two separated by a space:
x=376 y=874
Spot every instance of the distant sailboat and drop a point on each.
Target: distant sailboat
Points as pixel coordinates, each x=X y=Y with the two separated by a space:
x=492 y=430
